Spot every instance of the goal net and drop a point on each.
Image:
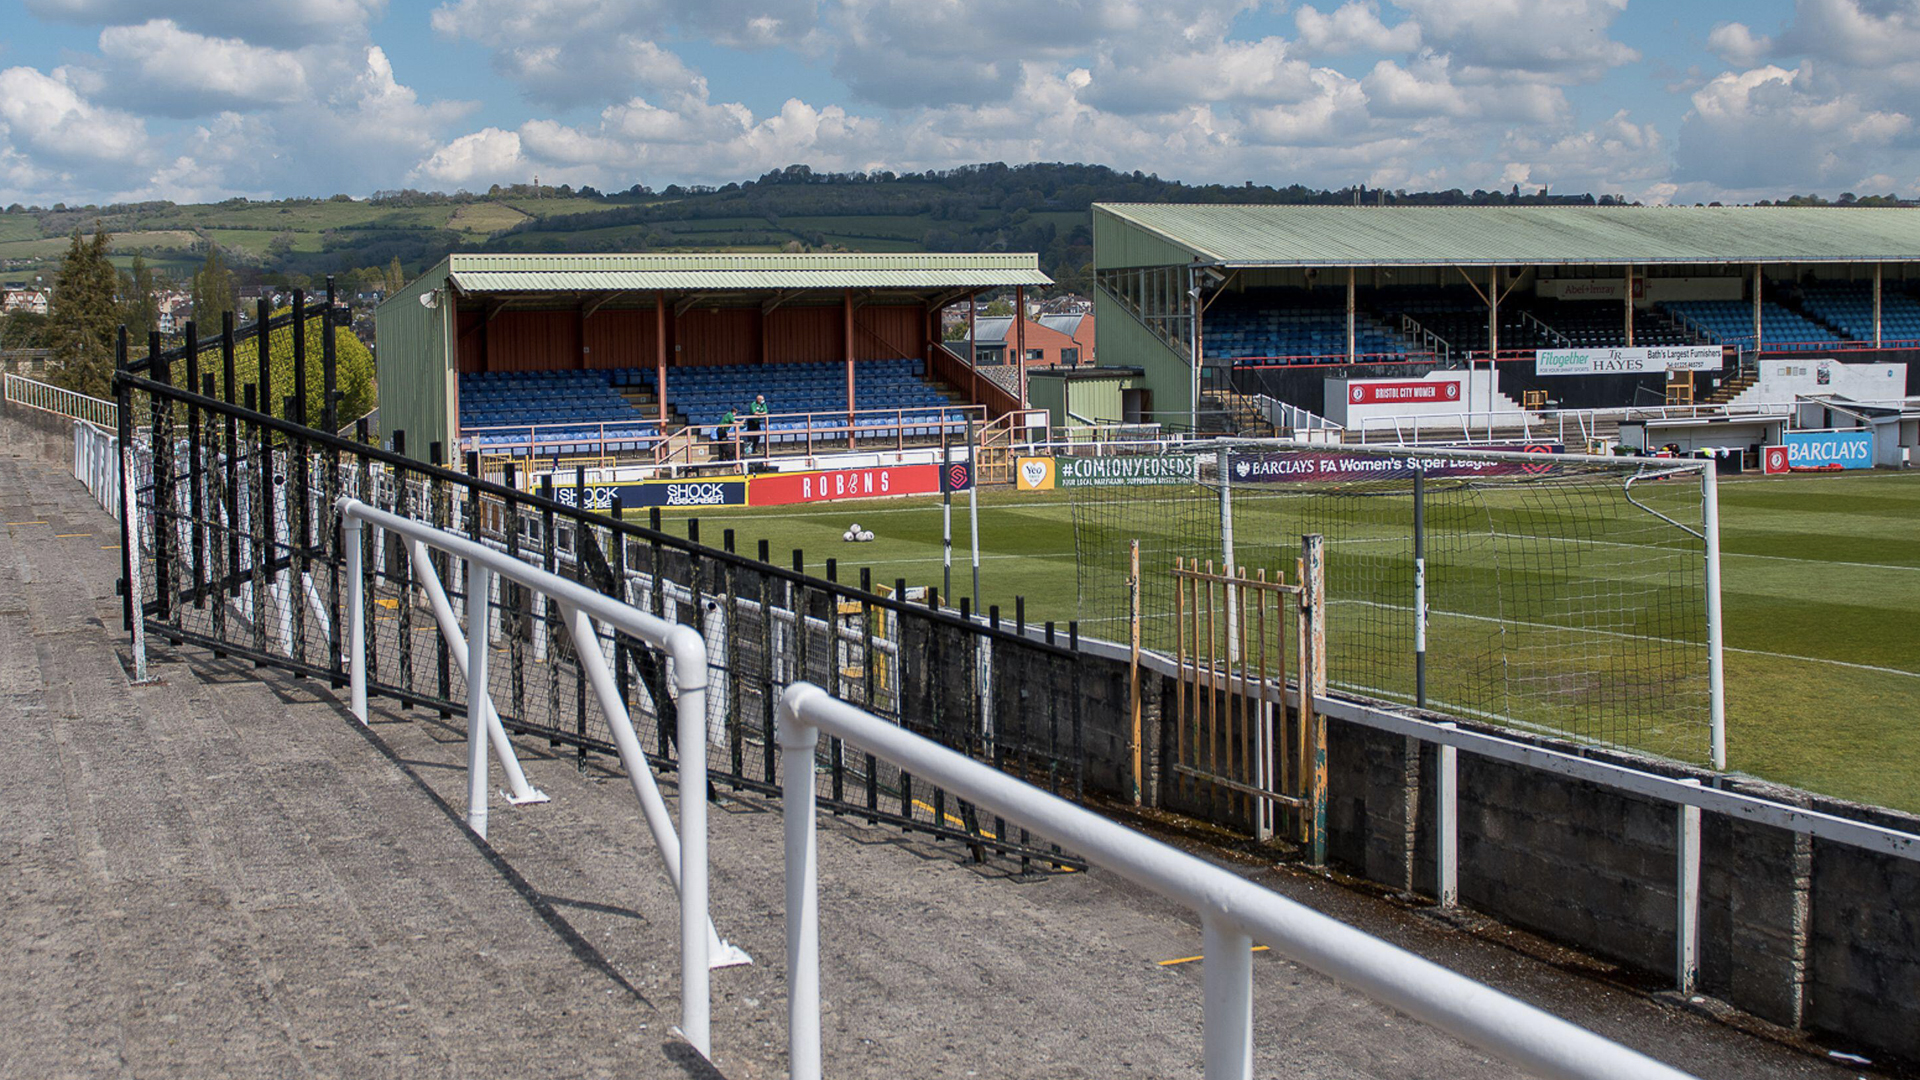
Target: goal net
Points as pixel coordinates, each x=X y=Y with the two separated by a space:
x=1563 y=593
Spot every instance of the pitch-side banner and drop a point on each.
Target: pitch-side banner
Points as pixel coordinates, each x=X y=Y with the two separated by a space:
x=708 y=491
x=782 y=489
x=1332 y=465
x=1626 y=361
x=1829 y=449
x=1126 y=470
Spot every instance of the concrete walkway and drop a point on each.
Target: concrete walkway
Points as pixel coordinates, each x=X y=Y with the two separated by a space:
x=222 y=874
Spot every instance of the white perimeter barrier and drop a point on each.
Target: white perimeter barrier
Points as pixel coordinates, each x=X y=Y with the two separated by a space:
x=684 y=855
x=1233 y=913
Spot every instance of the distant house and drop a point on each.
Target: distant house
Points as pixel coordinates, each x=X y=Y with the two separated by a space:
x=1051 y=340
x=31 y=301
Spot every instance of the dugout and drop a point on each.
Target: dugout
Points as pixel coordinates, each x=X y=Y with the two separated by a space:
x=1276 y=299
x=768 y=320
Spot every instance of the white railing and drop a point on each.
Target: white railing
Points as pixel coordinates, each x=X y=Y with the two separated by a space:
x=1568 y=426
x=96 y=463
x=1304 y=424
x=685 y=854
x=1233 y=913
x=46 y=397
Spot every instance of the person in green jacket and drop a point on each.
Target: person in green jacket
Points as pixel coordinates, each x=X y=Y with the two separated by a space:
x=757 y=422
x=723 y=434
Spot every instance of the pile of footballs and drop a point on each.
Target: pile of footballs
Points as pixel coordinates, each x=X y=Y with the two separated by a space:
x=856 y=535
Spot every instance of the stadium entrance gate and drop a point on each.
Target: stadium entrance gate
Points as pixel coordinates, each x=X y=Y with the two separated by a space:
x=1234 y=739
x=231 y=543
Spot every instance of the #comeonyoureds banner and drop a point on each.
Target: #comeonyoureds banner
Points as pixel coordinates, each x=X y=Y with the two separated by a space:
x=1325 y=465
x=1126 y=470
x=782 y=489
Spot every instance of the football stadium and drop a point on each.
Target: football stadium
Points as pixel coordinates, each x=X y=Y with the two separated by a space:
x=1546 y=572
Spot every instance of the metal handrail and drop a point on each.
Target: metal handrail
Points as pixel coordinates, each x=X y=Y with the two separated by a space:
x=684 y=855
x=1233 y=912
x=58 y=400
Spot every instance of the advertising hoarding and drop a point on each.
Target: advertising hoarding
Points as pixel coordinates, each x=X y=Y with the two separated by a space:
x=1627 y=361
x=1412 y=391
x=1829 y=449
x=1126 y=470
x=703 y=491
x=880 y=482
x=1334 y=465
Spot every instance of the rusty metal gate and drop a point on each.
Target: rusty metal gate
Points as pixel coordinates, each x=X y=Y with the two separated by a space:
x=1236 y=746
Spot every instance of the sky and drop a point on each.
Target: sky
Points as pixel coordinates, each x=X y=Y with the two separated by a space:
x=121 y=100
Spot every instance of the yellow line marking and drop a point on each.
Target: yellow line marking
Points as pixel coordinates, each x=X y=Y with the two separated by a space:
x=69 y=536
x=26 y=523
x=984 y=834
x=387 y=602
x=1191 y=959
x=109 y=547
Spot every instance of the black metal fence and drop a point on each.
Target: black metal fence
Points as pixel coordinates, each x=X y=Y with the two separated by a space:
x=235 y=547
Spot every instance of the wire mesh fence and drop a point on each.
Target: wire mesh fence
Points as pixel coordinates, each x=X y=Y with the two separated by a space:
x=235 y=547
x=1562 y=593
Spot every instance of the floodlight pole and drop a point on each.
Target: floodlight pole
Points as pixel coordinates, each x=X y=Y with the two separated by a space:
x=1193 y=338
x=1716 y=663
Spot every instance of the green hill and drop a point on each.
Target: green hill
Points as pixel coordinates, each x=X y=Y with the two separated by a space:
x=991 y=207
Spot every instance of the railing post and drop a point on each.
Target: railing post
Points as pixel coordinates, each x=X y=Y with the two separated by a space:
x=1227 y=996
x=1447 y=824
x=356 y=619
x=1687 y=896
x=477 y=734
x=1313 y=683
x=690 y=671
x=798 y=739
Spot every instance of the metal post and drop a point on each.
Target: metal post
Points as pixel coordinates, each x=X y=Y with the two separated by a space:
x=1313 y=684
x=1877 y=273
x=1193 y=344
x=1226 y=551
x=1447 y=823
x=1686 y=893
x=797 y=742
x=1352 y=347
x=1420 y=588
x=1716 y=661
x=946 y=519
x=1629 y=311
x=1133 y=663
x=356 y=621
x=1756 y=312
x=1226 y=993
x=476 y=704
x=697 y=938
x=973 y=508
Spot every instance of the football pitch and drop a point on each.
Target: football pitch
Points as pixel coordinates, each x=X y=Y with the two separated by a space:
x=1821 y=593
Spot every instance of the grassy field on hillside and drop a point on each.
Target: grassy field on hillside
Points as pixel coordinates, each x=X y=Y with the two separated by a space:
x=1821 y=594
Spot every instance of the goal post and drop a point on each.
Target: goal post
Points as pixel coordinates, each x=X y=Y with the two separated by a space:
x=1567 y=593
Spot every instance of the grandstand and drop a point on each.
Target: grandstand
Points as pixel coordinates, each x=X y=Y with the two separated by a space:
x=638 y=358
x=1220 y=303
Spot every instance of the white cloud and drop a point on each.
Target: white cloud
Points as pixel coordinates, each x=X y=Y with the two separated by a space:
x=1774 y=128
x=45 y=115
x=163 y=69
x=287 y=25
x=486 y=156
x=1737 y=44
x=1566 y=38
x=1354 y=27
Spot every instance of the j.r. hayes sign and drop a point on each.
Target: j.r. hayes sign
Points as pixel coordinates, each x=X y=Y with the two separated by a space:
x=1626 y=361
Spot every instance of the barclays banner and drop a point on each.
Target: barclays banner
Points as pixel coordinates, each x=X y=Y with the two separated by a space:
x=1829 y=449
x=1321 y=466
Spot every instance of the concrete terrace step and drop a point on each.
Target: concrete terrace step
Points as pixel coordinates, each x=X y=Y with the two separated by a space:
x=222 y=874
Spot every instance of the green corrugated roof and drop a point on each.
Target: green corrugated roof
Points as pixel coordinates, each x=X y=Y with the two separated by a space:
x=1526 y=235
x=721 y=270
